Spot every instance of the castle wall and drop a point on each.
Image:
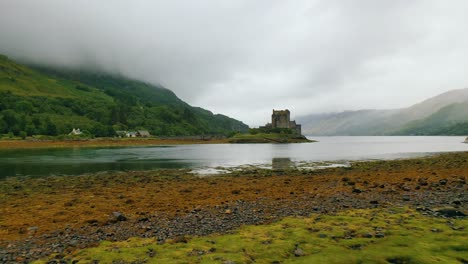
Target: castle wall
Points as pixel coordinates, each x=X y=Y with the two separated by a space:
x=280 y=119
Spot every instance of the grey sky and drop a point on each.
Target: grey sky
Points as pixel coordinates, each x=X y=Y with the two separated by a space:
x=244 y=57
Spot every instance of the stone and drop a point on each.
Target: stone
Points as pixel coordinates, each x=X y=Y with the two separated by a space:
x=118 y=216
x=32 y=230
x=450 y=212
x=299 y=252
x=405 y=188
x=356 y=190
x=380 y=235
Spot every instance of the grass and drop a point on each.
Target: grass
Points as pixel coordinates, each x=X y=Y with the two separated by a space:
x=23 y=81
x=347 y=237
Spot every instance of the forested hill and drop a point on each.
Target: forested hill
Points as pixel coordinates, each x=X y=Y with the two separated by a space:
x=37 y=100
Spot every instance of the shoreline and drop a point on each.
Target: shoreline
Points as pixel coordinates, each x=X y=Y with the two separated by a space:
x=103 y=142
x=111 y=142
x=78 y=212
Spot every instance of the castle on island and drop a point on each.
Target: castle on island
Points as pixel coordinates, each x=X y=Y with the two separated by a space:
x=282 y=119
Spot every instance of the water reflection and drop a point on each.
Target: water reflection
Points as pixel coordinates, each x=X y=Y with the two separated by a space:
x=281 y=164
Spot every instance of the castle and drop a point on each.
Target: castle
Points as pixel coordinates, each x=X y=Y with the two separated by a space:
x=281 y=119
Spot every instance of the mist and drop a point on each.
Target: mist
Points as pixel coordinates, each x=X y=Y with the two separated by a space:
x=244 y=58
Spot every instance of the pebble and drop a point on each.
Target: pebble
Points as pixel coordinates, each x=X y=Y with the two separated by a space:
x=118 y=216
x=298 y=252
x=379 y=235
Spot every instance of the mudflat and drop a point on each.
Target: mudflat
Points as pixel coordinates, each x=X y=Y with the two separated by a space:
x=40 y=217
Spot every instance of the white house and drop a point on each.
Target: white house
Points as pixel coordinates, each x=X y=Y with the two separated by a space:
x=76 y=132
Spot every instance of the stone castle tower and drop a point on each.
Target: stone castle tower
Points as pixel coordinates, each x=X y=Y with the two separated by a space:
x=282 y=119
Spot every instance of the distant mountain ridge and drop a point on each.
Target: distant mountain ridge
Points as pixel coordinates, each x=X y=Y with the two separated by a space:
x=50 y=101
x=445 y=114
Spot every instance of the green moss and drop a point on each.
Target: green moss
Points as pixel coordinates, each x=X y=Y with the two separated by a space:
x=348 y=237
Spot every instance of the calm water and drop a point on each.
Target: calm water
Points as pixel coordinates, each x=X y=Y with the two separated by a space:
x=74 y=161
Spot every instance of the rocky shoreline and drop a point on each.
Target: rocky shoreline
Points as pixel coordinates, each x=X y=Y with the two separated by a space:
x=62 y=214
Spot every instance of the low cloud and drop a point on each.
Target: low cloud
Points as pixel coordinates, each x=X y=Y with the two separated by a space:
x=243 y=58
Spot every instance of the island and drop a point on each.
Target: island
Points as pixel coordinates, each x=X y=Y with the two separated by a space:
x=280 y=130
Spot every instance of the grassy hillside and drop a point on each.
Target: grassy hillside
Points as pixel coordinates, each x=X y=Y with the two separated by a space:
x=450 y=120
x=444 y=114
x=52 y=102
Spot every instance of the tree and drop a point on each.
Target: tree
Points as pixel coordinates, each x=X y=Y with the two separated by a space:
x=10 y=117
x=22 y=134
x=100 y=130
x=50 y=128
x=24 y=106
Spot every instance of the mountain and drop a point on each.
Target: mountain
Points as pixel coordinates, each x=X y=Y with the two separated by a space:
x=439 y=115
x=40 y=100
x=449 y=120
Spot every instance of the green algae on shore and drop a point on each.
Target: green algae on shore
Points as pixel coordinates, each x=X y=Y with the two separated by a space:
x=397 y=235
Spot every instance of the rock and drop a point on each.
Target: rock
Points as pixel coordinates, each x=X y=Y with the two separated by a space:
x=32 y=230
x=367 y=235
x=380 y=235
x=228 y=211
x=356 y=247
x=374 y=202
x=118 y=216
x=423 y=182
x=405 y=188
x=443 y=182
x=456 y=202
x=299 y=252
x=356 y=190
x=449 y=212
x=406 y=198
x=73 y=243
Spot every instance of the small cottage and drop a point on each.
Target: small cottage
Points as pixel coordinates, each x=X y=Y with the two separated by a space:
x=76 y=132
x=143 y=133
x=131 y=134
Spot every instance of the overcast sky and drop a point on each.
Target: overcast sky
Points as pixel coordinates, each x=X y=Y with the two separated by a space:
x=243 y=58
